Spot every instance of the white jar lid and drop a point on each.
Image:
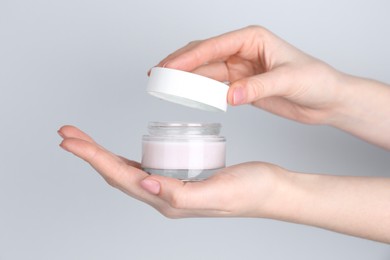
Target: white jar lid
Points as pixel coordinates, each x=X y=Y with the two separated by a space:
x=188 y=89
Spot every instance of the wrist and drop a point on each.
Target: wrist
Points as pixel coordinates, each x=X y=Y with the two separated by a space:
x=335 y=91
x=357 y=206
x=342 y=110
x=285 y=198
x=298 y=199
x=363 y=109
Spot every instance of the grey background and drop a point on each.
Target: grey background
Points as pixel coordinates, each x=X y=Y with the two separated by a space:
x=84 y=62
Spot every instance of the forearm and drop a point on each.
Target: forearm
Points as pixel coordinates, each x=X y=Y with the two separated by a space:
x=358 y=206
x=364 y=110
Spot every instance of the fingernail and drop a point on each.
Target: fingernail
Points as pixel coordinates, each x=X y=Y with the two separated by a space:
x=60 y=134
x=150 y=70
x=238 y=96
x=151 y=186
x=63 y=147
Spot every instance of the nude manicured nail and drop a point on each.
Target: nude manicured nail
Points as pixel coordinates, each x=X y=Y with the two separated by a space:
x=63 y=147
x=151 y=186
x=60 y=134
x=238 y=96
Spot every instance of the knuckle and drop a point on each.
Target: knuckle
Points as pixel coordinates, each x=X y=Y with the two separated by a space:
x=253 y=27
x=111 y=181
x=259 y=34
x=114 y=178
x=256 y=28
x=93 y=155
x=177 y=201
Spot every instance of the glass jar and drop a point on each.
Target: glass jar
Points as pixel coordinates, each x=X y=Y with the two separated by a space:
x=186 y=151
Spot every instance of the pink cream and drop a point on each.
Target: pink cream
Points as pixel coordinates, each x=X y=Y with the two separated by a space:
x=183 y=155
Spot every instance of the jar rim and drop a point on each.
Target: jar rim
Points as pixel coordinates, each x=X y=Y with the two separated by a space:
x=184 y=128
x=184 y=124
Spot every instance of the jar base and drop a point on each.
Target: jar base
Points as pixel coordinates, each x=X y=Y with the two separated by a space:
x=183 y=174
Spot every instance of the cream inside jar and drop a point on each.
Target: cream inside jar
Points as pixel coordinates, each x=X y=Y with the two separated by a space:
x=186 y=151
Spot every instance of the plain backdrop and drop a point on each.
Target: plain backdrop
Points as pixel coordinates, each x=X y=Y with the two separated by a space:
x=84 y=62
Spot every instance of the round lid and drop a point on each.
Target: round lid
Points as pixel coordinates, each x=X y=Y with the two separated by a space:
x=188 y=89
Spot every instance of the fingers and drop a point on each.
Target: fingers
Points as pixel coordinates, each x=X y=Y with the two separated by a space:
x=177 y=53
x=252 y=89
x=214 y=49
x=217 y=71
x=69 y=131
x=111 y=167
x=118 y=172
x=235 y=57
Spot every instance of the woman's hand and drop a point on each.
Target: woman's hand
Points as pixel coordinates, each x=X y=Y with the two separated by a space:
x=269 y=73
x=265 y=71
x=352 y=205
x=245 y=190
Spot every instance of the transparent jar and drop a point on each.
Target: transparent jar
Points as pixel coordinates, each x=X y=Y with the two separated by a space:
x=186 y=151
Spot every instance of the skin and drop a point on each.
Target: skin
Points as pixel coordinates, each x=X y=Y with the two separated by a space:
x=267 y=72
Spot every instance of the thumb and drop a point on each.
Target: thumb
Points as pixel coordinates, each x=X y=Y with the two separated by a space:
x=168 y=189
x=248 y=90
x=182 y=195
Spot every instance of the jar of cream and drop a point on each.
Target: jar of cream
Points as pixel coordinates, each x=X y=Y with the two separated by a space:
x=186 y=151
